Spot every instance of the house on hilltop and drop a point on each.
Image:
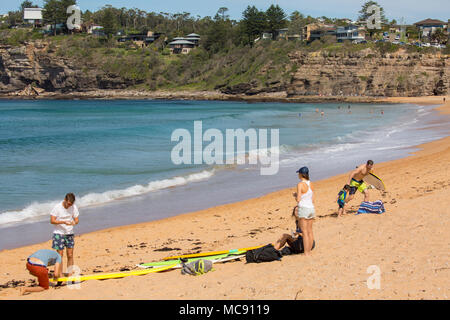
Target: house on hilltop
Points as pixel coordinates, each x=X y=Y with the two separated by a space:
x=181 y=46
x=428 y=26
x=33 y=16
x=350 y=33
x=315 y=31
x=184 y=45
x=141 y=40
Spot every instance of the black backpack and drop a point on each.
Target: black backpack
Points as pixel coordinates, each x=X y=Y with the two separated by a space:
x=264 y=254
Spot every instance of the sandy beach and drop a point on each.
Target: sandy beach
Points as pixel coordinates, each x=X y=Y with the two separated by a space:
x=409 y=243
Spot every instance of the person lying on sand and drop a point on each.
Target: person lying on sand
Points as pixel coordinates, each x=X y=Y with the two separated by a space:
x=356 y=182
x=37 y=264
x=294 y=240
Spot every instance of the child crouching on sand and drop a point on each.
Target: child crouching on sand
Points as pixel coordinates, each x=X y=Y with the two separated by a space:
x=37 y=264
x=342 y=195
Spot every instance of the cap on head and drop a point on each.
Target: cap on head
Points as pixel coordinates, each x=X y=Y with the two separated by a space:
x=303 y=170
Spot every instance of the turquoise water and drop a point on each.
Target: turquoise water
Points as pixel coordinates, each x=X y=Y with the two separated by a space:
x=104 y=151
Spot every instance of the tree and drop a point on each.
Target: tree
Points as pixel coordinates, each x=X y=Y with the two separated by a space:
x=439 y=36
x=253 y=24
x=27 y=4
x=108 y=21
x=55 y=11
x=218 y=34
x=276 y=19
x=364 y=15
x=296 y=22
x=14 y=18
x=222 y=13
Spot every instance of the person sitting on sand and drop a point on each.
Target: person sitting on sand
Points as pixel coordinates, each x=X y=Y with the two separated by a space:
x=64 y=216
x=356 y=182
x=294 y=240
x=37 y=264
x=341 y=197
x=306 y=212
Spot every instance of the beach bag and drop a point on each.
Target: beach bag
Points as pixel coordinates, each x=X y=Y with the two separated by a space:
x=264 y=254
x=196 y=267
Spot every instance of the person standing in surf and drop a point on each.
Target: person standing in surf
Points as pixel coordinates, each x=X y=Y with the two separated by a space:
x=306 y=211
x=64 y=216
x=356 y=182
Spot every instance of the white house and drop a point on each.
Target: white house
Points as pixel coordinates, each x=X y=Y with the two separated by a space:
x=94 y=28
x=351 y=32
x=32 y=15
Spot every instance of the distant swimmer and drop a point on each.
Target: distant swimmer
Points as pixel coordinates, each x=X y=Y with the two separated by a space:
x=348 y=106
x=322 y=113
x=317 y=110
x=355 y=180
x=382 y=112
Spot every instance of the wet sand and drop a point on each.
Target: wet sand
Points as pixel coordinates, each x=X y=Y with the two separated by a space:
x=408 y=244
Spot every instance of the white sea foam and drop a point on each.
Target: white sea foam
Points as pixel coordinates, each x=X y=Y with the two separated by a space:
x=37 y=211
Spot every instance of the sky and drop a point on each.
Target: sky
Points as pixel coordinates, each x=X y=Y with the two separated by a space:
x=410 y=10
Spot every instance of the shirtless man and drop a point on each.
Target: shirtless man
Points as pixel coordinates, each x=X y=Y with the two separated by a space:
x=356 y=182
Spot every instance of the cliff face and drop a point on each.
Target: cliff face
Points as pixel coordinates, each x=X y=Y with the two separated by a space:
x=369 y=74
x=34 y=68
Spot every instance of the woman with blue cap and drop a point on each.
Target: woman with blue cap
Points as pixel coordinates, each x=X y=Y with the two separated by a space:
x=306 y=212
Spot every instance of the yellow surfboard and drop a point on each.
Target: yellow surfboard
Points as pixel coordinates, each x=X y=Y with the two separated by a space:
x=103 y=276
x=212 y=253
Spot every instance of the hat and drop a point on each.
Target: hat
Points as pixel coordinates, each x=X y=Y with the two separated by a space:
x=303 y=170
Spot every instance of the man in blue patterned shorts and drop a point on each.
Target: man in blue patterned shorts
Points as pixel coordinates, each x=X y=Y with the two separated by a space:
x=64 y=216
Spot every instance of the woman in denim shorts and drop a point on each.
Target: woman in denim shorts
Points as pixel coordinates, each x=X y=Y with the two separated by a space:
x=306 y=211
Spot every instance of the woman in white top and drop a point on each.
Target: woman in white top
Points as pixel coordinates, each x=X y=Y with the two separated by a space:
x=306 y=212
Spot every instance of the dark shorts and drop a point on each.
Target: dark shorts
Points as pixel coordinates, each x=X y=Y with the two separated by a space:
x=61 y=241
x=297 y=245
x=41 y=273
x=341 y=204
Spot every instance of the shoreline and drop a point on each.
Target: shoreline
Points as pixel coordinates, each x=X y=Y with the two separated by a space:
x=230 y=218
x=204 y=96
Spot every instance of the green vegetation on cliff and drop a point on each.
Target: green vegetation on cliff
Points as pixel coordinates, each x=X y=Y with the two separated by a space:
x=264 y=64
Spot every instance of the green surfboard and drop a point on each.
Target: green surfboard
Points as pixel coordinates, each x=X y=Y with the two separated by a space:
x=214 y=258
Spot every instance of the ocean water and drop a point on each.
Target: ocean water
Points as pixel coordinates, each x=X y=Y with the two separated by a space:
x=116 y=155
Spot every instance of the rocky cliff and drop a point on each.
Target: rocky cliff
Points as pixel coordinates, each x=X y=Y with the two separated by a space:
x=369 y=74
x=35 y=68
